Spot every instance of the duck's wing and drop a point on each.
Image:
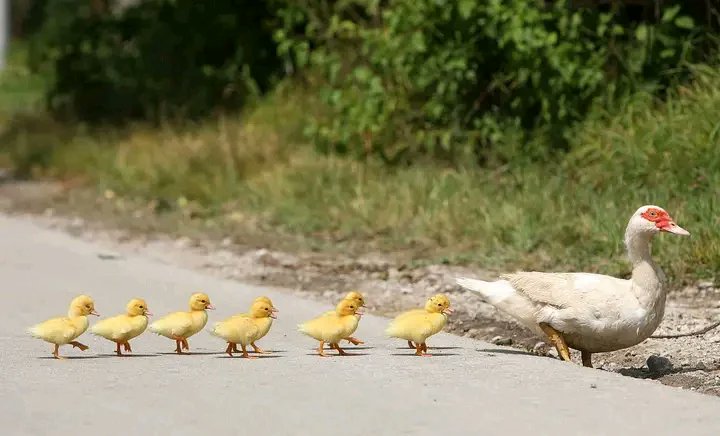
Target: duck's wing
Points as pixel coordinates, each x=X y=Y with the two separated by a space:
x=57 y=330
x=562 y=290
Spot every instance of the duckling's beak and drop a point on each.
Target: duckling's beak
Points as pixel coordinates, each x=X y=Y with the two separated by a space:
x=273 y=311
x=92 y=312
x=148 y=313
x=210 y=306
x=359 y=312
x=447 y=311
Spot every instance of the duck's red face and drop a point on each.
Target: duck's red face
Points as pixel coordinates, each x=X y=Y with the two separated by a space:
x=663 y=221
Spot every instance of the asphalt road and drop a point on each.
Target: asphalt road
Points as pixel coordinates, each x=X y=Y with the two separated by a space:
x=468 y=387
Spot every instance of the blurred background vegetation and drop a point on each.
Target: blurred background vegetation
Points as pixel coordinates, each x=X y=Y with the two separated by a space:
x=508 y=133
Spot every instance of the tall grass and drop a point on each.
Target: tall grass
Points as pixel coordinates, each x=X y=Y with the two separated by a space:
x=566 y=214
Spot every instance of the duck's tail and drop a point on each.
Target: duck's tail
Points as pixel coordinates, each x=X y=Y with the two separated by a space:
x=493 y=292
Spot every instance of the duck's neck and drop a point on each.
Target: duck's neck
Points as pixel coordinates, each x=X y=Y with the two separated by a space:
x=74 y=313
x=648 y=278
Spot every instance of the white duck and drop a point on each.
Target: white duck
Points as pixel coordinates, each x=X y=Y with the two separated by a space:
x=591 y=313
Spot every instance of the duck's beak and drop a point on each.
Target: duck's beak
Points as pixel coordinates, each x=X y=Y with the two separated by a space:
x=148 y=313
x=359 y=312
x=447 y=311
x=273 y=311
x=671 y=227
x=210 y=306
x=92 y=312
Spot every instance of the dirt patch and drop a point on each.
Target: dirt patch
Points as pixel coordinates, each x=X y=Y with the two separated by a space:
x=390 y=285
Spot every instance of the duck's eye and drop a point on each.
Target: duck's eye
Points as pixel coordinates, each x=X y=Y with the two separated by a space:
x=142 y=307
x=202 y=301
x=266 y=309
x=439 y=304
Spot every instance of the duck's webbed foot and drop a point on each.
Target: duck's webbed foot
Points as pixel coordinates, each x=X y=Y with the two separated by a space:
x=557 y=339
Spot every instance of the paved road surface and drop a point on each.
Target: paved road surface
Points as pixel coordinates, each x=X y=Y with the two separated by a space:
x=470 y=387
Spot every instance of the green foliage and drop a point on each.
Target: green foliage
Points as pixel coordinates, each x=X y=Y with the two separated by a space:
x=453 y=79
x=158 y=58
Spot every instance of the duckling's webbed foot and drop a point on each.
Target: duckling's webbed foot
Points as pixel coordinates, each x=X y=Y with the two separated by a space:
x=354 y=341
x=557 y=340
x=321 y=350
x=258 y=349
x=339 y=350
x=178 y=346
x=76 y=344
x=126 y=346
x=586 y=359
x=56 y=354
x=245 y=353
x=420 y=350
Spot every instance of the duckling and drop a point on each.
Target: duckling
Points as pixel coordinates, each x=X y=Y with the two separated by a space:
x=64 y=330
x=263 y=323
x=419 y=324
x=181 y=325
x=245 y=329
x=333 y=328
x=357 y=297
x=120 y=329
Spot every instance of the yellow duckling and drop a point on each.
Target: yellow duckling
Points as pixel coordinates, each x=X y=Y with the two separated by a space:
x=333 y=328
x=245 y=329
x=64 y=330
x=419 y=324
x=263 y=323
x=120 y=329
x=358 y=298
x=181 y=325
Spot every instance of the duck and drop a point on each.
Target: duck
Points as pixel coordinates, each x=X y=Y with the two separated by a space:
x=121 y=328
x=245 y=329
x=358 y=298
x=331 y=329
x=591 y=313
x=264 y=324
x=179 y=326
x=64 y=330
x=417 y=325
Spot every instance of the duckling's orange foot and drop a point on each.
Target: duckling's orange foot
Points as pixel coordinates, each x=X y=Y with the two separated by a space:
x=178 y=348
x=185 y=345
x=127 y=348
x=76 y=344
x=354 y=341
x=56 y=353
x=420 y=350
x=339 y=350
x=321 y=351
x=245 y=353
x=258 y=349
x=230 y=348
x=117 y=349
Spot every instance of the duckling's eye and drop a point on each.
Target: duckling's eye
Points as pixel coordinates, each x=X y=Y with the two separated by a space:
x=141 y=307
x=202 y=301
x=266 y=309
x=439 y=304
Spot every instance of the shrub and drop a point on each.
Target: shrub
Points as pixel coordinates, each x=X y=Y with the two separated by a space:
x=453 y=79
x=156 y=58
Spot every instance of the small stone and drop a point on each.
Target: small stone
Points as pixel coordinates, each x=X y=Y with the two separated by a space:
x=109 y=255
x=552 y=352
x=499 y=340
x=659 y=364
x=701 y=366
x=705 y=285
x=539 y=347
x=593 y=386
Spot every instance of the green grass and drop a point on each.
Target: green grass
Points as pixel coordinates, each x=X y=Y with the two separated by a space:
x=254 y=173
x=20 y=89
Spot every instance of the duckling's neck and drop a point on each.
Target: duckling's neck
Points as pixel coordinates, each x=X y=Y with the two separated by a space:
x=74 y=313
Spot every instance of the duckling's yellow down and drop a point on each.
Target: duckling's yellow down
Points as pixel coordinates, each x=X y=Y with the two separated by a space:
x=246 y=328
x=64 y=330
x=179 y=326
x=333 y=328
x=419 y=324
x=121 y=328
